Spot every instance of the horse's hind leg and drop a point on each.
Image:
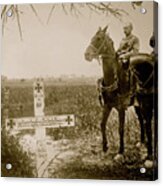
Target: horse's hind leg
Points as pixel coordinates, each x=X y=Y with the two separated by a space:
x=106 y=112
x=156 y=127
x=149 y=160
x=119 y=157
x=121 y=129
x=149 y=137
x=140 y=117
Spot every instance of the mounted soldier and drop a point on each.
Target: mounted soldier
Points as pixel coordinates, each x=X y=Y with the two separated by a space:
x=114 y=88
x=129 y=45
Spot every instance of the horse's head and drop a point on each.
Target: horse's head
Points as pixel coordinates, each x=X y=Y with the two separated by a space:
x=100 y=44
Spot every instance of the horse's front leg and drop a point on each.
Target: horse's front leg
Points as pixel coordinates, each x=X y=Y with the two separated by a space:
x=119 y=157
x=141 y=121
x=106 y=112
x=121 y=129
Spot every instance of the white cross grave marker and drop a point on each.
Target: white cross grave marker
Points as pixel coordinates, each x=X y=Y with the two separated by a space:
x=38 y=91
x=39 y=123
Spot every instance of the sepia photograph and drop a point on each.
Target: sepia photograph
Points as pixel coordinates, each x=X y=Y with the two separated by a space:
x=79 y=90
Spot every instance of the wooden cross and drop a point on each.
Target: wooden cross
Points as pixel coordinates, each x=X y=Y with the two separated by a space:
x=11 y=124
x=69 y=120
x=38 y=87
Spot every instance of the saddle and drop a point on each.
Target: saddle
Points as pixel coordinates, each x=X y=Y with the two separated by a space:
x=127 y=83
x=142 y=57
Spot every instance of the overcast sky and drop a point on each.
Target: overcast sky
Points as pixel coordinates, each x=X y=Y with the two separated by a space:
x=58 y=48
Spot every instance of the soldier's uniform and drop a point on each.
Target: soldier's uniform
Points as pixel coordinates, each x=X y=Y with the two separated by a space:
x=129 y=46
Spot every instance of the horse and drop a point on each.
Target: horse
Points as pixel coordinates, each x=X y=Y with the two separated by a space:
x=120 y=85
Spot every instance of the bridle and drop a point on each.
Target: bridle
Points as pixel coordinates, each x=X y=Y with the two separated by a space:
x=101 y=87
x=97 y=50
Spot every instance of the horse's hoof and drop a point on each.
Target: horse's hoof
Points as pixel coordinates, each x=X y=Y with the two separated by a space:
x=148 y=164
x=119 y=158
x=142 y=150
x=138 y=145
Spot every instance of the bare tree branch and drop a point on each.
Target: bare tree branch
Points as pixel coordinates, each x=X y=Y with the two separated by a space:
x=73 y=8
x=3 y=24
x=64 y=8
x=3 y=11
x=137 y=3
x=4 y=16
x=91 y=8
x=18 y=21
x=35 y=12
x=6 y=9
x=50 y=14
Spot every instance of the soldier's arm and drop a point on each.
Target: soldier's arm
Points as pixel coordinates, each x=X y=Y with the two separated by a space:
x=121 y=48
x=134 y=50
x=136 y=46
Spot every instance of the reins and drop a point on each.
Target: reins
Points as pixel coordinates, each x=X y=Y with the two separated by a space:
x=97 y=50
x=102 y=87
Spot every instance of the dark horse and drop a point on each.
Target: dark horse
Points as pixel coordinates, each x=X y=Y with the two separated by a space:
x=120 y=84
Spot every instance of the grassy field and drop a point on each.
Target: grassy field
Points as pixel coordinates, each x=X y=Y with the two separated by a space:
x=82 y=101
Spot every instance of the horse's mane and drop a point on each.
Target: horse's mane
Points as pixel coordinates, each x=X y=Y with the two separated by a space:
x=110 y=45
